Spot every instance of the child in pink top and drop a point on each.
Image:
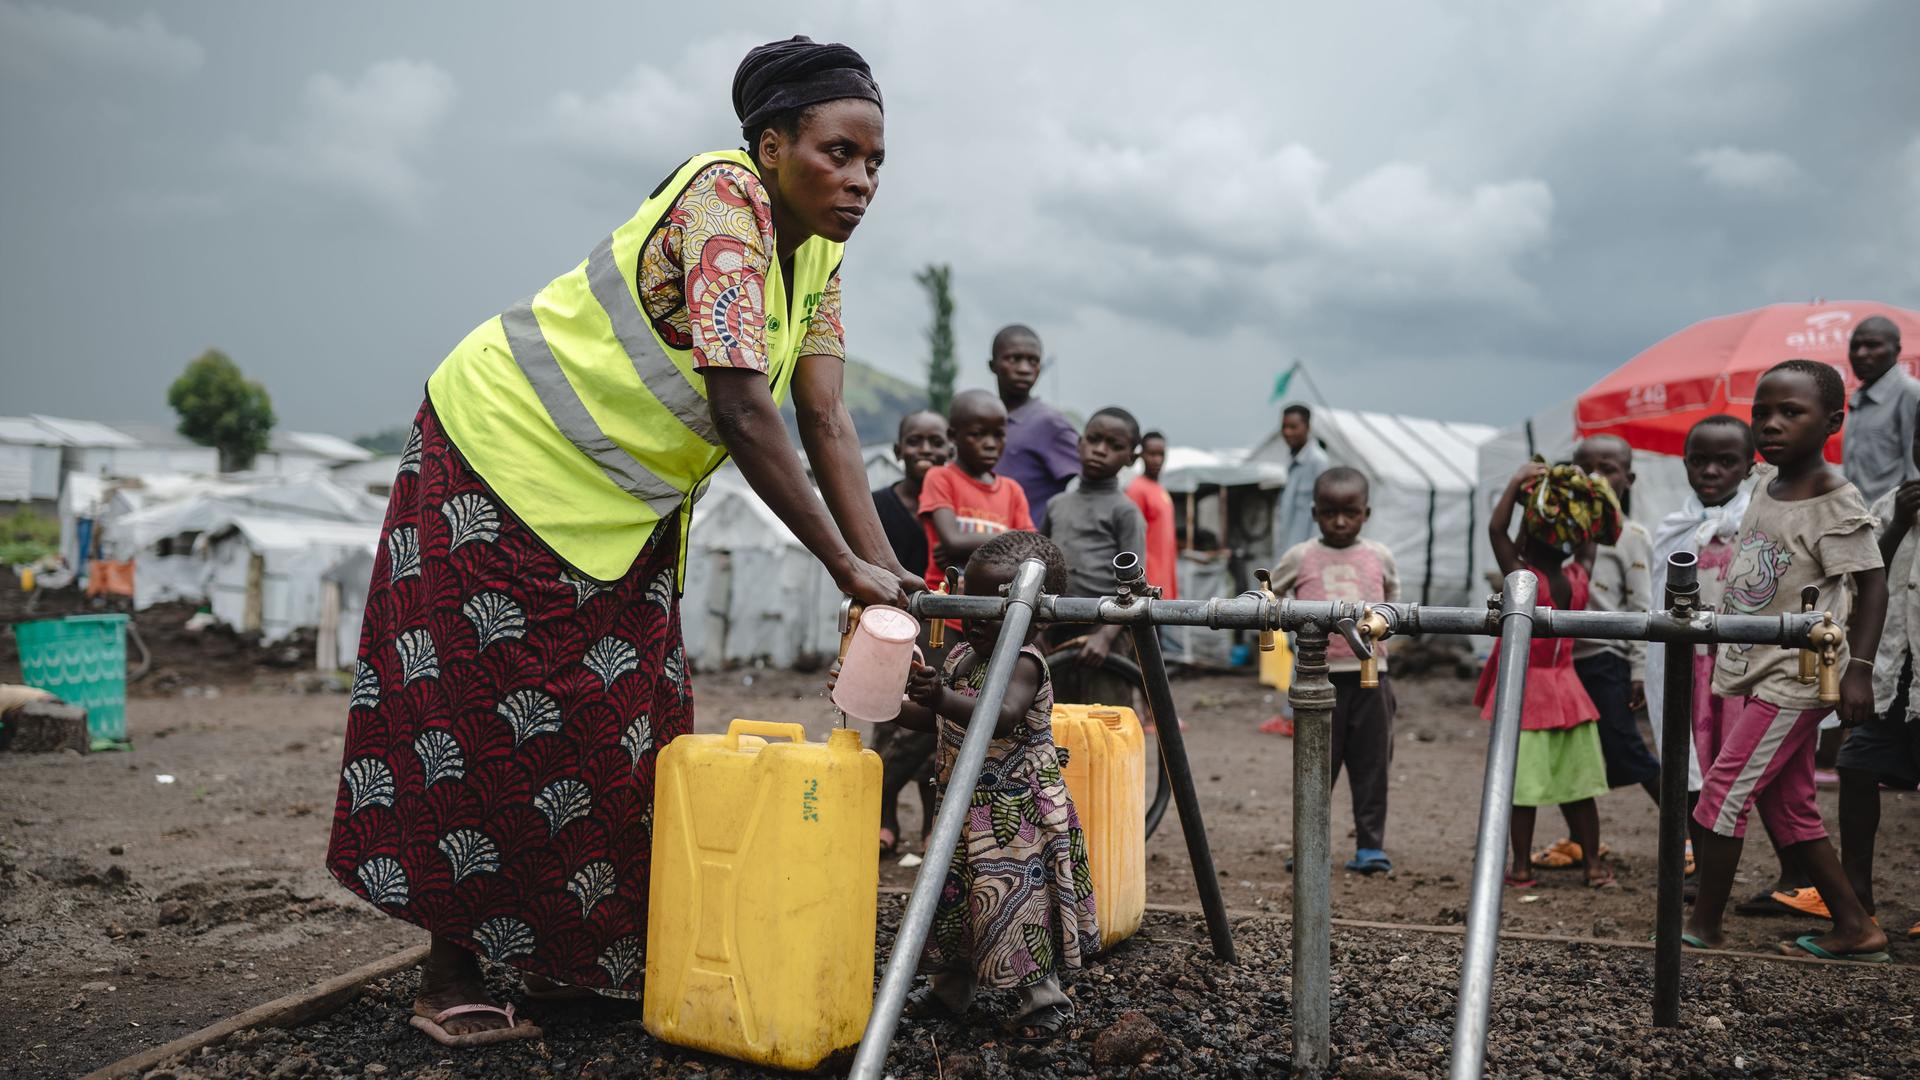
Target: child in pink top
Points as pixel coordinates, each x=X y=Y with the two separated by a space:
x=1343 y=565
x=1560 y=762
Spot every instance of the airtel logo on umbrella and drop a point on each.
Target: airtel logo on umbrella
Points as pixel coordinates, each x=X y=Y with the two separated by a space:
x=1825 y=331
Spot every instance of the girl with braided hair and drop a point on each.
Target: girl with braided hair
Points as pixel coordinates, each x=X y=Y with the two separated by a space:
x=1566 y=513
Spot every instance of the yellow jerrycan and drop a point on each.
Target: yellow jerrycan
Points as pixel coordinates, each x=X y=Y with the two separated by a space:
x=760 y=922
x=1276 y=667
x=1106 y=773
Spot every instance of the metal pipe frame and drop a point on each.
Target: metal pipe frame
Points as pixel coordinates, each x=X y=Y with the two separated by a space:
x=891 y=997
x=1312 y=697
x=1517 y=619
x=1251 y=611
x=1676 y=740
x=1475 y=1001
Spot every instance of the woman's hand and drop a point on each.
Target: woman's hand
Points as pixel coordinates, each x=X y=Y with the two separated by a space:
x=871 y=584
x=833 y=676
x=923 y=685
x=910 y=581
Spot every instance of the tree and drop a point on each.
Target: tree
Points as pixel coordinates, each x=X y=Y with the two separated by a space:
x=937 y=279
x=221 y=408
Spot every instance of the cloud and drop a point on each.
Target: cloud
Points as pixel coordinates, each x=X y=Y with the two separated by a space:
x=36 y=40
x=361 y=138
x=653 y=110
x=1267 y=231
x=1767 y=172
x=163 y=206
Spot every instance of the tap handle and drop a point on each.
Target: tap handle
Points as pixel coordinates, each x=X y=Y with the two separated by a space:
x=937 y=628
x=1350 y=630
x=850 y=610
x=1267 y=636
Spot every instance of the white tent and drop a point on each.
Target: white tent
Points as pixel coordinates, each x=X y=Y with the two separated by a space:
x=753 y=592
x=265 y=574
x=1659 y=487
x=29 y=461
x=254 y=547
x=1424 y=478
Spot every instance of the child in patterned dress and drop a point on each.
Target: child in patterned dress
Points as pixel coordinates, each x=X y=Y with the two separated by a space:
x=1017 y=907
x=1560 y=762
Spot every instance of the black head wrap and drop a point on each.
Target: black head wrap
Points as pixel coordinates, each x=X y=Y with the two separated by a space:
x=796 y=73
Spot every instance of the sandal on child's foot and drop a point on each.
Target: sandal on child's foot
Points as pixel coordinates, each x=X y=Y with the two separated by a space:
x=924 y=1004
x=1043 y=1024
x=1516 y=882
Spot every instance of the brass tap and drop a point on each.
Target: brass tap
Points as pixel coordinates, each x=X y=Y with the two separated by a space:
x=850 y=610
x=1820 y=656
x=1809 y=596
x=937 y=629
x=1373 y=628
x=1827 y=637
x=1266 y=593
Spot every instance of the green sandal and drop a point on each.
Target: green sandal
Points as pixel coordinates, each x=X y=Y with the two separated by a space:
x=1805 y=943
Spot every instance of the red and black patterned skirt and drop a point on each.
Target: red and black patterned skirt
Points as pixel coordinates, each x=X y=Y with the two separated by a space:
x=497 y=786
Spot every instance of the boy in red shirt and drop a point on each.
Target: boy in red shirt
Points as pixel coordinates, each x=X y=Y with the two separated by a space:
x=1156 y=506
x=963 y=503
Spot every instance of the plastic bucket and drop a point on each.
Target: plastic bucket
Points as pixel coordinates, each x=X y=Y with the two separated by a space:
x=82 y=660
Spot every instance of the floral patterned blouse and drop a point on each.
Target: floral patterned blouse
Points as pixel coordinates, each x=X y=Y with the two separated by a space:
x=703 y=275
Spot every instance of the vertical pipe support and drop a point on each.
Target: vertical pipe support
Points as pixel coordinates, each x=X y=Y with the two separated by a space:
x=1312 y=698
x=1676 y=741
x=891 y=997
x=1475 y=999
x=1173 y=758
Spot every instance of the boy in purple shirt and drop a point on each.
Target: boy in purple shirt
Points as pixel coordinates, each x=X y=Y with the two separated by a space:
x=1043 y=448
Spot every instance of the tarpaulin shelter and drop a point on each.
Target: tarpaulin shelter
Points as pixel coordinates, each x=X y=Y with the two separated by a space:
x=1424 y=479
x=1223 y=514
x=753 y=591
x=1712 y=367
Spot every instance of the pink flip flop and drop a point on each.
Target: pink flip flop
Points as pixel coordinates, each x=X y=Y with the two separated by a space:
x=514 y=1030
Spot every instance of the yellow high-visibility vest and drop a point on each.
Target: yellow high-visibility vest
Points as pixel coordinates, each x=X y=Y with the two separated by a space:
x=588 y=426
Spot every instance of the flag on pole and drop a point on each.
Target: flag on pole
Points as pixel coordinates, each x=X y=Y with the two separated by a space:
x=1280 y=384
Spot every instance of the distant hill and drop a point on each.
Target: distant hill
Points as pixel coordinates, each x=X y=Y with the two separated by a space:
x=876 y=399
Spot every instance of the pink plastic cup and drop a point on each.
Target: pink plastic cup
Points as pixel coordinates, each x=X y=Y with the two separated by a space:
x=873 y=677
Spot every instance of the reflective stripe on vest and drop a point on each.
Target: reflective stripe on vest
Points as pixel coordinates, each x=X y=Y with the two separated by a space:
x=569 y=413
x=656 y=370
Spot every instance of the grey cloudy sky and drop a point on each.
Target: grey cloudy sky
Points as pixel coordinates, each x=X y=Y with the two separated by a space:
x=1468 y=211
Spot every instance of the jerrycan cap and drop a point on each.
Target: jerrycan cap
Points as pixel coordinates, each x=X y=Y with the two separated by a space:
x=890 y=623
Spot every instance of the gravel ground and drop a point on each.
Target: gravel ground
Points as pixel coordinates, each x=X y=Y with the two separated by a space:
x=1158 y=1006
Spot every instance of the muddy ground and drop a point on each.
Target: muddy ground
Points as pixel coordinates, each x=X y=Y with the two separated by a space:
x=133 y=911
x=1158 y=1006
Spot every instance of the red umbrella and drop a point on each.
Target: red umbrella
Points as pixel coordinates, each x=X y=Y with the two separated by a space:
x=1712 y=366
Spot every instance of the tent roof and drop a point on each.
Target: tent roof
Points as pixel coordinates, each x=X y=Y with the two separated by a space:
x=24 y=431
x=1190 y=468
x=319 y=444
x=1412 y=451
x=296 y=534
x=60 y=431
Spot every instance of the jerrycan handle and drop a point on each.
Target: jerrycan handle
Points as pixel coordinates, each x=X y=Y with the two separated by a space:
x=766 y=729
